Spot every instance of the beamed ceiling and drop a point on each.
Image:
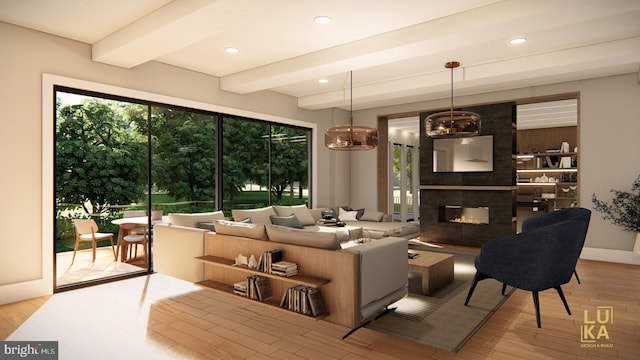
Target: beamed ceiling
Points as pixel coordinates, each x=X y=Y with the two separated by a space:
x=396 y=49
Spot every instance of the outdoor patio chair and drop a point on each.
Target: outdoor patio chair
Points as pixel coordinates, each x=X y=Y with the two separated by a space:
x=130 y=243
x=87 y=230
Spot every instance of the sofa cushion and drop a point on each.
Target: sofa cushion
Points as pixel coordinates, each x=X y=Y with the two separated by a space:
x=253 y=231
x=300 y=211
x=288 y=221
x=257 y=216
x=191 y=220
x=345 y=215
x=372 y=216
x=287 y=235
x=359 y=211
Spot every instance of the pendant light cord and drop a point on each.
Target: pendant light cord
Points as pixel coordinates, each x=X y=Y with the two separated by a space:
x=451 y=112
x=351 y=106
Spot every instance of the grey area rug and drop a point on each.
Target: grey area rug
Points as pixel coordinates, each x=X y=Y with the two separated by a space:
x=441 y=320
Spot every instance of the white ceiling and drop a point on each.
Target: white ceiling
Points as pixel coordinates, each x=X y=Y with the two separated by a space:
x=395 y=48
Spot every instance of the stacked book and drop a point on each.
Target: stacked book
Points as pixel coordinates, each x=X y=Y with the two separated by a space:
x=240 y=288
x=267 y=258
x=257 y=287
x=284 y=268
x=303 y=299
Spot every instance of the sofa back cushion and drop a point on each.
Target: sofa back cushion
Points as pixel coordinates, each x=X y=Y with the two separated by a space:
x=235 y=228
x=191 y=220
x=376 y=216
x=302 y=212
x=257 y=216
x=287 y=235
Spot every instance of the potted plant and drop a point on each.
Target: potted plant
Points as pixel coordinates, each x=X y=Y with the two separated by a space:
x=156 y=211
x=624 y=210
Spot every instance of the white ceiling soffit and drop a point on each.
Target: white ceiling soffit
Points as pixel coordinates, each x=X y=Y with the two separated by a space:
x=409 y=124
x=395 y=48
x=547 y=114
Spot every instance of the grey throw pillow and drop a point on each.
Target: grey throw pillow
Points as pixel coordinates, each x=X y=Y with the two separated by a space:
x=288 y=221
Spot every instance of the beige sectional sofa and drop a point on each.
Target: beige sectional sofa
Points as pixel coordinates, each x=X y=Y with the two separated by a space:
x=363 y=277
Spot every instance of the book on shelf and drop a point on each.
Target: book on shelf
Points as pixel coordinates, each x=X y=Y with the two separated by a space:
x=268 y=258
x=240 y=288
x=315 y=301
x=284 y=268
x=303 y=299
x=258 y=287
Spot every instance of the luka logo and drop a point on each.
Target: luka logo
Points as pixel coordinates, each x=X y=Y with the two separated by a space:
x=594 y=332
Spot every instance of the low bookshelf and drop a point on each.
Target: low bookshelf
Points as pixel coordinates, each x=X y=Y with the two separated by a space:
x=227 y=274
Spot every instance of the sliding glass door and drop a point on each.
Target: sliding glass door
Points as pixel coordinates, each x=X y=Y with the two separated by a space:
x=120 y=160
x=101 y=170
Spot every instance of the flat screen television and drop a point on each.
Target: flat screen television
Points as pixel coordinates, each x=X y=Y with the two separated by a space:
x=467 y=154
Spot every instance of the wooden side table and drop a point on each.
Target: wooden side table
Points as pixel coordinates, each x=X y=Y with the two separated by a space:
x=436 y=269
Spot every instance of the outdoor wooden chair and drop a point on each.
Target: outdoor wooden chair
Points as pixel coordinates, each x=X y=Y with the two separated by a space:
x=87 y=230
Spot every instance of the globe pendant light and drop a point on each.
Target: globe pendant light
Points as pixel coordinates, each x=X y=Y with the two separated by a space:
x=349 y=137
x=452 y=123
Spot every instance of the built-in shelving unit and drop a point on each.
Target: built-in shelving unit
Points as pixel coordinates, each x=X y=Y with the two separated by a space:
x=538 y=182
x=278 y=284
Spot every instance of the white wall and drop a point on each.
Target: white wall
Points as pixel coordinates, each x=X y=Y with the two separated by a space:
x=25 y=244
x=608 y=136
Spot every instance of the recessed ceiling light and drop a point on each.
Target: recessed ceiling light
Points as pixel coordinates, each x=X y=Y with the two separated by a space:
x=323 y=81
x=322 y=20
x=232 y=50
x=518 y=41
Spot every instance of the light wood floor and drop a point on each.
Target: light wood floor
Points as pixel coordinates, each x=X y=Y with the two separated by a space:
x=161 y=317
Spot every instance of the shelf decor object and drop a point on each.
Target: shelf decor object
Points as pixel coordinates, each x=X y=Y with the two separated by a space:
x=350 y=137
x=452 y=123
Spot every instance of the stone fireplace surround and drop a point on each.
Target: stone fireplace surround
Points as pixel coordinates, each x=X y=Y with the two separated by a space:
x=495 y=190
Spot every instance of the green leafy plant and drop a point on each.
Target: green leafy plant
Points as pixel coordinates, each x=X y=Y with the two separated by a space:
x=624 y=209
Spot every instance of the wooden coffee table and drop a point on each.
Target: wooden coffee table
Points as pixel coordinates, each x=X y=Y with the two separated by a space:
x=436 y=269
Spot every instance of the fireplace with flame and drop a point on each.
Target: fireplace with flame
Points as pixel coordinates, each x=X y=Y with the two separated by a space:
x=464 y=215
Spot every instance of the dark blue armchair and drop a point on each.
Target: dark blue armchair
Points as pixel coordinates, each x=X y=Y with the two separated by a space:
x=541 y=257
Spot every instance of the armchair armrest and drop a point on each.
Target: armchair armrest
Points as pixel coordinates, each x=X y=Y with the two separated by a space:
x=383 y=274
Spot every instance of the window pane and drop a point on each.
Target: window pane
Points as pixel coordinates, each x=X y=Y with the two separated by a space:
x=409 y=183
x=290 y=165
x=397 y=175
x=183 y=160
x=245 y=167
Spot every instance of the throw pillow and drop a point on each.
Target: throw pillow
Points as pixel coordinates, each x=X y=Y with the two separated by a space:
x=359 y=211
x=253 y=231
x=206 y=225
x=372 y=216
x=329 y=214
x=288 y=221
x=302 y=212
x=348 y=215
